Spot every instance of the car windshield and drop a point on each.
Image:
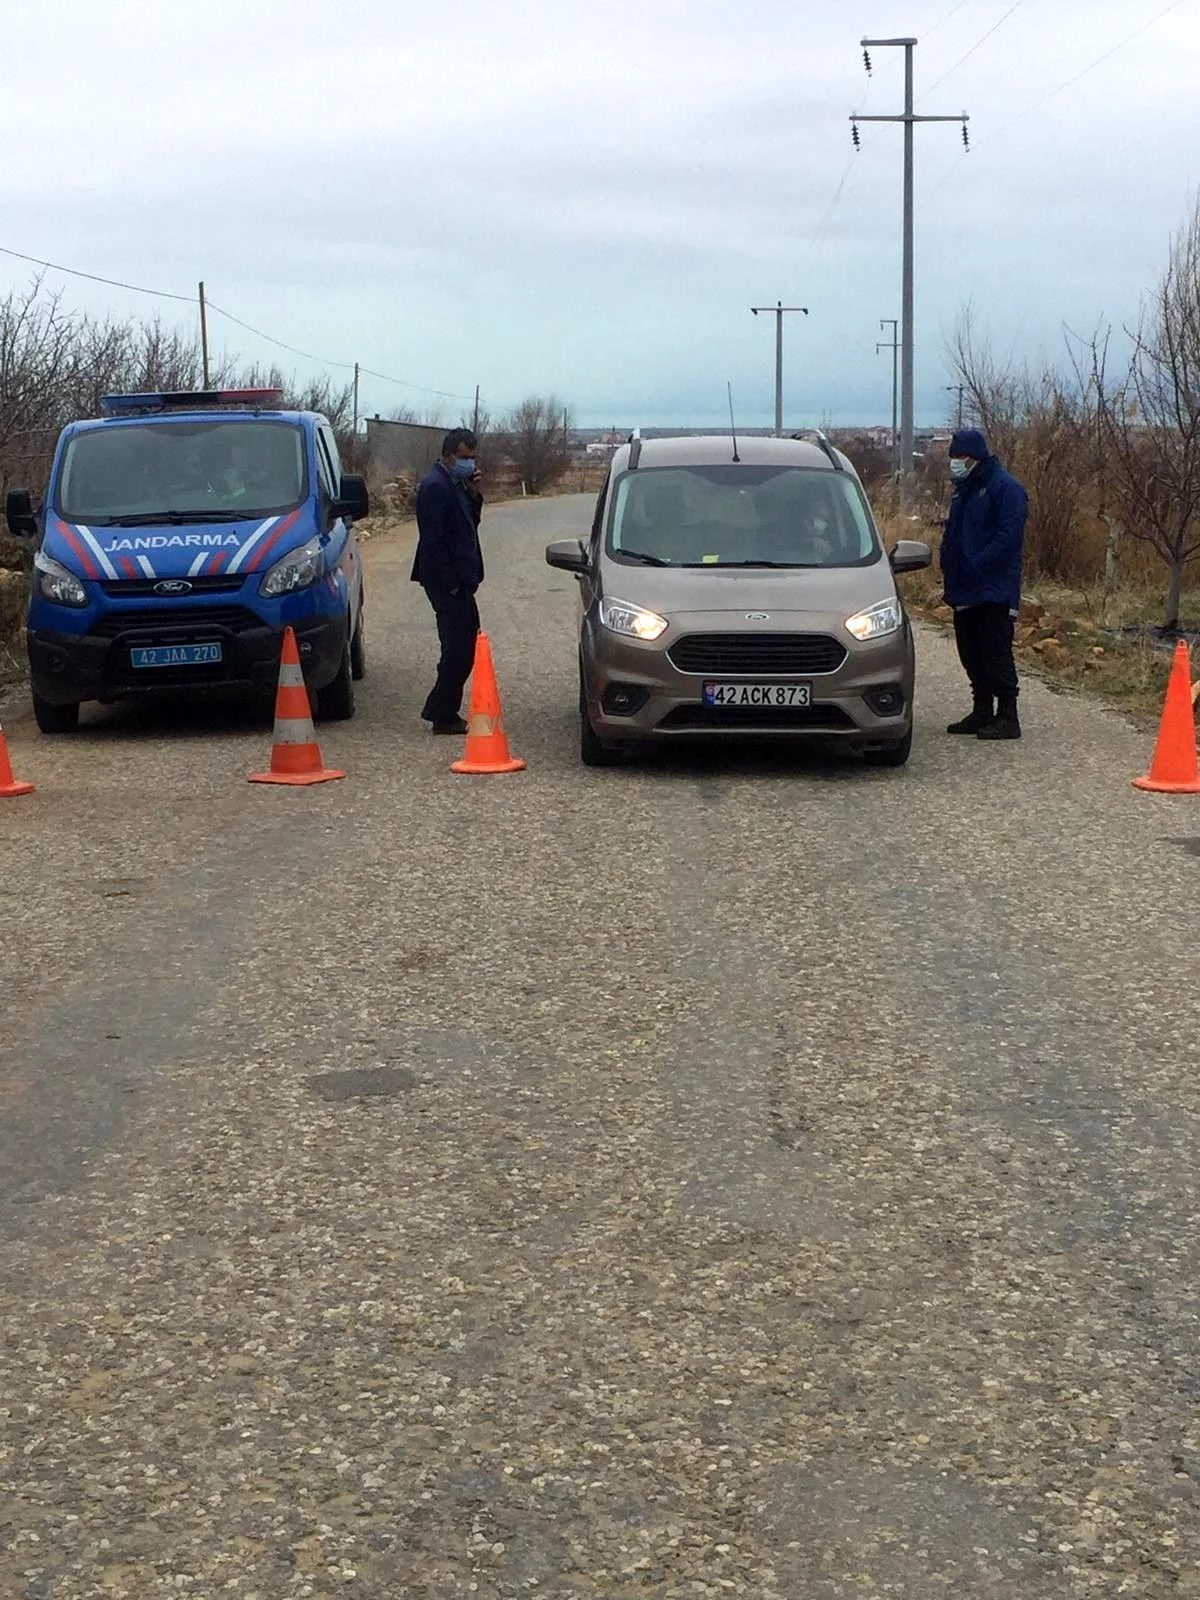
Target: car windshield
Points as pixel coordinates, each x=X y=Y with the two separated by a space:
x=741 y=515
x=181 y=471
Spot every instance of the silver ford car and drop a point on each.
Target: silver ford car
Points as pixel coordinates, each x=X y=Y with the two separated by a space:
x=740 y=588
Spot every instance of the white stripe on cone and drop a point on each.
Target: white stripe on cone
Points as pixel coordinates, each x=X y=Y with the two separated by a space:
x=294 y=730
x=291 y=675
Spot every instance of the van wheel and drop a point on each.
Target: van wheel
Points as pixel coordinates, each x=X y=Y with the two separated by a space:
x=358 y=646
x=335 y=702
x=54 y=718
x=594 y=751
x=892 y=755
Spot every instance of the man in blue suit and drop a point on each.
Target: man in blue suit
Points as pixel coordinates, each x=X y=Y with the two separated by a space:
x=982 y=553
x=449 y=567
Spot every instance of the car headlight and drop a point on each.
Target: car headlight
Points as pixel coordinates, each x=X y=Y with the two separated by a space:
x=297 y=570
x=876 y=621
x=620 y=617
x=55 y=583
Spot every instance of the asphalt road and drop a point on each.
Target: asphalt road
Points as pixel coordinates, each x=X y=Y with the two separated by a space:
x=730 y=1174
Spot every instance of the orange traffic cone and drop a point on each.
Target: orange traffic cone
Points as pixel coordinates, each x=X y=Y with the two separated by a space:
x=295 y=754
x=1174 y=768
x=487 y=744
x=8 y=784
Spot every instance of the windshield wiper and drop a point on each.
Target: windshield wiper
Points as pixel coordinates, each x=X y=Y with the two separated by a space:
x=645 y=558
x=784 y=564
x=145 y=519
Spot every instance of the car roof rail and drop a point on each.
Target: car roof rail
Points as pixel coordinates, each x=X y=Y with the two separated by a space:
x=635 y=449
x=815 y=433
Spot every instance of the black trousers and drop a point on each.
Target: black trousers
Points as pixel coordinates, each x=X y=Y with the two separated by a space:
x=458 y=627
x=984 y=635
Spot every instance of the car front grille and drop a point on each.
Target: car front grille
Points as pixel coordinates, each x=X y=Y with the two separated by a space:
x=757 y=655
x=133 y=588
x=177 y=624
x=701 y=719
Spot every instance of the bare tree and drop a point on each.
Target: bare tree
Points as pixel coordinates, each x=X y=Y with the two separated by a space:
x=537 y=438
x=1150 y=419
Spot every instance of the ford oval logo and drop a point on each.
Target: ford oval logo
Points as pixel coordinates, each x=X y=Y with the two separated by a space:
x=173 y=586
x=758 y=616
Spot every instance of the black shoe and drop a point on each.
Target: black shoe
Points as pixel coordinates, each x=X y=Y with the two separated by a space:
x=978 y=720
x=1004 y=726
x=457 y=726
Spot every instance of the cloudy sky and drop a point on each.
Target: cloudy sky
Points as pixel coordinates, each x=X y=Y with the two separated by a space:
x=587 y=200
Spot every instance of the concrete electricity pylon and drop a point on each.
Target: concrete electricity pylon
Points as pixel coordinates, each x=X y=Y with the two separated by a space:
x=910 y=119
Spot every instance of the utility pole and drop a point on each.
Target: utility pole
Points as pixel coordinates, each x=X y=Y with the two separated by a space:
x=204 y=334
x=958 y=389
x=910 y=119
x=894 y=347
x=355 y=431
x=780 y=311
x=475 y=414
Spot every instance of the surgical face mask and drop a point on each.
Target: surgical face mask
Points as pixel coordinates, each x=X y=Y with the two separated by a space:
x=960 y=468
x=464 y=469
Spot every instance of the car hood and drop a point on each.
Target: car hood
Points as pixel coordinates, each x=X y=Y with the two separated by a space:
x=687 y=592
x=172 y=550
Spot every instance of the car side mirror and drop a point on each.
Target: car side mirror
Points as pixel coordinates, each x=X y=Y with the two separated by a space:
x=910 y=555
x=353 y=501
x=569 y=555
x=19 y=514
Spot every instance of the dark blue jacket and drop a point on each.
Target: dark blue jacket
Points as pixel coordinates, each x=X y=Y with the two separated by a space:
x=448 y=551
x=984 y=538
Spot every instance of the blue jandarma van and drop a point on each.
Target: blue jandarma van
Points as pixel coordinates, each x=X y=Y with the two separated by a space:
x=179 y=536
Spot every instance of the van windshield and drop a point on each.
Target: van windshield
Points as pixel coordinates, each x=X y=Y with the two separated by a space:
x=181 y=472
x=741 y=515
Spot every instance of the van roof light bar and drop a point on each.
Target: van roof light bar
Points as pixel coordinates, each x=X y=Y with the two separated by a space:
x=815 y=433
x=118 y=405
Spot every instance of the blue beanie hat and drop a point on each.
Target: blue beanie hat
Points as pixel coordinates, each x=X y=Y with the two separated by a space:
x=970 y=442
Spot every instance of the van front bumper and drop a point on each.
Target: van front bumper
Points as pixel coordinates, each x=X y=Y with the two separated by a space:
x=69 y=668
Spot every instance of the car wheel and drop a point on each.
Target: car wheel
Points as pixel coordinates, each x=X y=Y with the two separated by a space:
x=52 y=718
x=358 y=646
x=335 y=702
x=593 y=750
x=891 y=755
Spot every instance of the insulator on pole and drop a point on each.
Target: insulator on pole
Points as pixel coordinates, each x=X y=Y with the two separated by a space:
x=867 y=61
x=854 y=134
x=966 y=137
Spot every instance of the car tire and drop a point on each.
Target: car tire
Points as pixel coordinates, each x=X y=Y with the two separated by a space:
x=335 y=702
x=358 y=646
x=52 y=718
x=593 y=750
x=891 y=755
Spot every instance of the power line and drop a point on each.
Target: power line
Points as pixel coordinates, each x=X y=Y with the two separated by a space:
x=1062 y=87
x=979 y=43
x=1091 y=67
x=953 y=12
x=190 y=300
x=113 y=283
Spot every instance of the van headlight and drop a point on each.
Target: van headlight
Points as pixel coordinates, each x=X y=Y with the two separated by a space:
x=55 y=583
x=631 y=621
x=297 y=570
x=876 y=621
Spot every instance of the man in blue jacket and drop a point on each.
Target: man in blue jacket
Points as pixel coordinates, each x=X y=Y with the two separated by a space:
x=449 y=567
x=982 y=549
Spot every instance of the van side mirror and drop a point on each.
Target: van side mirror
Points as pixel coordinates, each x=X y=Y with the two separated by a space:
x=19 y=514
x=910 y=555
x=353 y=501
x=569 y=555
